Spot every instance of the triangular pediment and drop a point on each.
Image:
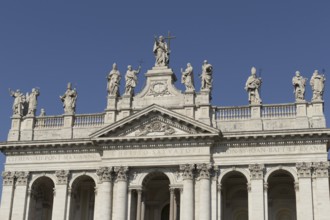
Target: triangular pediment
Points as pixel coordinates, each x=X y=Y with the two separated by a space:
x=155 y=122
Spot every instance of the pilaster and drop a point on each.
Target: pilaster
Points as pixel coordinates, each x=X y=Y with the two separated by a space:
x=7 y=195
x=120 y=211
x=304 y=194
x=318 y=120
x=189 y=103
x=60 y=195
x=256 y=194
x=321 y=181
x=20 y=195
x=15 y=130
x=204 y=175
x=110 y=112
x=301 y=114
x=68 y=122
x=27 y=128
x=103 y=199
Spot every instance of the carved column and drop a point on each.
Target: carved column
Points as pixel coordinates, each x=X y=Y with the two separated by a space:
x=60 y=195
x=172 y=191
x=187 y=210
x=7 y=195
x=266 y=200
x=121 y=193
x=20 y=195
x=321 y=190
x=138 y=205
x=204 y=175
x=304 y=196
x=256 y=194
x=103 y=199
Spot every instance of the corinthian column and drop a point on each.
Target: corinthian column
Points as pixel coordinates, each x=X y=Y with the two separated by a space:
x=304 y=197
x=321 y=190
x=187 y=209
x=20 y=195
x=103 y=199
x=121 y=193
x=60 y=196
x=7 y=195
x=256 y=194
x=204 y=171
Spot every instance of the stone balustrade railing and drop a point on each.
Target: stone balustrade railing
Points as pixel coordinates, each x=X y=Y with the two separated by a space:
x=278 y=111
x=89 y=120
x=232 y=113
x=49 y=121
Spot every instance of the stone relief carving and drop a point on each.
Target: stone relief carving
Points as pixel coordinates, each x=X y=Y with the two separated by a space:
x=62 y=176
x=321 y=169
x=187 y=78
x=69 y=100
x=121 y=173
x=252 y=86
x=8 y=178
x=155 y=126
x=187 y=171
x=206 y=76
x=204 y=170
x=299 y=84
x=105 y=174
x=113 y=81
x=21 y=177
x=158 y=89
x=303 y=170
x=131 y=80
x=256 y=171
x=317 y=84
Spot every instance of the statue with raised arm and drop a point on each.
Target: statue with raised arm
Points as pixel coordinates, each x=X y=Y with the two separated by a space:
x=252 y=86
x=131 y=80
x=299 y=84
x=32 y=100
x=18 y=105
x=188 y=78
x=69 y=100
x=206 y=76
x=161 y=52
x=113 y=81
x=317 y=84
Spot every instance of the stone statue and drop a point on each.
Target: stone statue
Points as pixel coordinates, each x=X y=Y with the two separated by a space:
x=131 y=80
x=188 y=78
x=161 y=52
x=32 y=101
x=113 y=81
x=317 y=84
x=42 y=112
x=69 y=100
x=299 y=84
x=206 y=76
x=252 y=86
x=19 y=100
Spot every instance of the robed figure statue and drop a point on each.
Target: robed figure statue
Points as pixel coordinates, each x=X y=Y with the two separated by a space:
x=299 y=84
x=317 y=84
x=161 y=52
x=252 y=86
x=113 y=81
x=69 y=100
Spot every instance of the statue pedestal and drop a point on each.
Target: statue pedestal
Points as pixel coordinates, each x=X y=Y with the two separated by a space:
x=15 y=131
x=301 y=114
x=111 y=111
x=68 y=122
x=27 y=128
x=318 y=120
x=189 y=103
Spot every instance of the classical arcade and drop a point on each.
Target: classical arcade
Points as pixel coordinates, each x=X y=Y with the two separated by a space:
x=165 y=154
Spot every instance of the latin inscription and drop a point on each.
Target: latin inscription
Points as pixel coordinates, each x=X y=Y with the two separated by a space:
x=53 y=158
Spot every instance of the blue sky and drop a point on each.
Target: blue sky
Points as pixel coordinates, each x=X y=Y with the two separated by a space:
x=49 y=43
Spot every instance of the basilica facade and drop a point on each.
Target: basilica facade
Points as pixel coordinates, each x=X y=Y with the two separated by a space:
x=166 y=154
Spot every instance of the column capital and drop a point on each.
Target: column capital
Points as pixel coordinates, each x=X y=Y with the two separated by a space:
x=256 y=171
x=304 y=170
x=121 y=173
x=105 y=174
x=321 y=169
x=62 y=176
x=8 y=178
x=187 y=171
x=21 y=178
x=204 y=170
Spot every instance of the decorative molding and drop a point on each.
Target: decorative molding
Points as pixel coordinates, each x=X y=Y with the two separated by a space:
x=321 y=169
x=105 y=174
x=21 y=178
x=256 y=171
x=158 y=88
x=8 y=178
x=121 y=173
x=304 y=170
x=204 y=171
x=187 y=171
x=62 y=177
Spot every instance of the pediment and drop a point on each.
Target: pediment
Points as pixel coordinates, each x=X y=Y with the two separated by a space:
x=155 y=122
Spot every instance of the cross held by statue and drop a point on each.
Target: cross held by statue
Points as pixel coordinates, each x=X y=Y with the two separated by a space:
x=169 y=38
